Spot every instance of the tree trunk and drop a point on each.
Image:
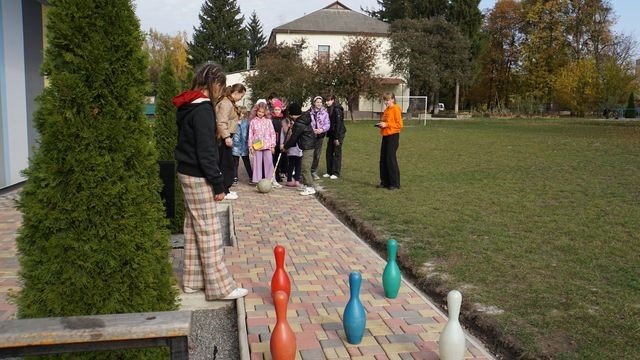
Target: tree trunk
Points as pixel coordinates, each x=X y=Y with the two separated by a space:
x=455 y=109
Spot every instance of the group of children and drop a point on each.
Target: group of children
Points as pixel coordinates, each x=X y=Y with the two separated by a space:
x=262 y=134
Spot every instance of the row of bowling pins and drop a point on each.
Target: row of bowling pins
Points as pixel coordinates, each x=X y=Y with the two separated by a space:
x=283 y=342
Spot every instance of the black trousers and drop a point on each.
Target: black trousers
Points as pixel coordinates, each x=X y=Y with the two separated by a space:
x=294 y=170
x=227 y=166
x=389 y=171
x=317 y=150
x=334 y=157
x=247 y=165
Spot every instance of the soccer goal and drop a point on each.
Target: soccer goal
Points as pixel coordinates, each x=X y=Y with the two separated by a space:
x=415 y=108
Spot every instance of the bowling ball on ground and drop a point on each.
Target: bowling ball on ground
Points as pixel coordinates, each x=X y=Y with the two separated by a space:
x=264 y=186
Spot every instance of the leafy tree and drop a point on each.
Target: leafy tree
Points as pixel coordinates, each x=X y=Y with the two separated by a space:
x=545 y=48
x=630 y=111
x=589 y=28
x=430 y=53
x=392 y=10
x=166 y=133
x=467 y=16
x=256 y=37
x=499 y=60
x=352 y=71
x=577 y=86
x=221 y=36
x=281 y=68
x=93 y=238
x=160 y=47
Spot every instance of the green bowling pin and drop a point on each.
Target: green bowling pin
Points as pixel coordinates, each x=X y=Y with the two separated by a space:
x=391 y=276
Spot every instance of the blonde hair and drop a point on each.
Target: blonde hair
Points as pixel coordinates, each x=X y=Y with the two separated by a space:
x=260 y=106
x=389 y=96
x=243 y=111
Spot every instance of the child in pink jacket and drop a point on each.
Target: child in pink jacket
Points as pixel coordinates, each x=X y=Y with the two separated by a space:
x=262 y=142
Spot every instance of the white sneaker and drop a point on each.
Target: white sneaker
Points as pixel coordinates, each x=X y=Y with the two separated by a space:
x=309 y=190
x=315 y=176
x=333 y=177
x=236 y=294
x=231 y=196
x=326 y=175
x=189 y=290
x=276 y=185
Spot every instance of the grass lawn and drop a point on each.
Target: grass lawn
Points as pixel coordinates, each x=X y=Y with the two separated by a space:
x=538 y=218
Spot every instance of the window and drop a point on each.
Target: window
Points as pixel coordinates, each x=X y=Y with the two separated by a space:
x=323 y=52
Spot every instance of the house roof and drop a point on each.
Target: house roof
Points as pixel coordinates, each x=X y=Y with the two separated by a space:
x=335 y=18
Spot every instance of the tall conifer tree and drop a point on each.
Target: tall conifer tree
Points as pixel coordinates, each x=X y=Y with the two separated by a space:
x=256 y=37
x=221 y=36
x=93 y=238
x=166 y=133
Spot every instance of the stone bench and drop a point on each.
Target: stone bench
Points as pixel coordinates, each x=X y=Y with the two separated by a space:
x=54 y=335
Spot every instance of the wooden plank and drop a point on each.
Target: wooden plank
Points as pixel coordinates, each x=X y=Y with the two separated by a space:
x=79 y=329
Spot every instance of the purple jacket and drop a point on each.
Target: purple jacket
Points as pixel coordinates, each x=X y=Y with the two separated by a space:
x=320 y=120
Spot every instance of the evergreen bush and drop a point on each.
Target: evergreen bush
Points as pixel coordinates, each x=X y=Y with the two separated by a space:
x=166 y=133
x=93 y=238
x=630 y=111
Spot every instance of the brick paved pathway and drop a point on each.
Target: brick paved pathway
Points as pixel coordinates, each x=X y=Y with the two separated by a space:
x=10 y=220
x=321 y=252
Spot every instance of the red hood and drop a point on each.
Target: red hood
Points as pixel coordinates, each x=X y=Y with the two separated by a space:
x=187 y=97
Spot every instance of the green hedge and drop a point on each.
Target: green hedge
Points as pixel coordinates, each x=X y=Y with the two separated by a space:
x=93 y=238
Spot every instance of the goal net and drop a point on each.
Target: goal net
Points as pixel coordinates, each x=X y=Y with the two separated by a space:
x=414 y=108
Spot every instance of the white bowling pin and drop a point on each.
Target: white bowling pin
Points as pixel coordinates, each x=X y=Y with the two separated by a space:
x=452 y=344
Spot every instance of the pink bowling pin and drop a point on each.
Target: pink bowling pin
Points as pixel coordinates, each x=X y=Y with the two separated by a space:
x=283 y=340
x=280 y=279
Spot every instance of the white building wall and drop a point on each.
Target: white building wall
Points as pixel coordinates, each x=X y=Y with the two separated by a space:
x=13 y=102
x=336 y=43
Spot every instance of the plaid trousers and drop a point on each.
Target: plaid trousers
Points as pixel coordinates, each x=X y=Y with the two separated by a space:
x=203 y=249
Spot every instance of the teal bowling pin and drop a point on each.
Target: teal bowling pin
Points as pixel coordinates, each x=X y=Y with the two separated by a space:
x=354 y=319
x=391 y=276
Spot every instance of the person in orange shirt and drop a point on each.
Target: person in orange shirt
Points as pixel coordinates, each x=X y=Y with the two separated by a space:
x=390 y=127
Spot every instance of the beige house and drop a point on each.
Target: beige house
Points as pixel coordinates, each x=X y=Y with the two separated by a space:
x=327 y=30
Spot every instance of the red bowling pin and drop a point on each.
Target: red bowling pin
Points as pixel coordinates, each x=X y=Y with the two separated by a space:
x=283 y=340
x=280 y=279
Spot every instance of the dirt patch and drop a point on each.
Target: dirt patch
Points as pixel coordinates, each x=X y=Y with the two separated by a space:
x=481 y=325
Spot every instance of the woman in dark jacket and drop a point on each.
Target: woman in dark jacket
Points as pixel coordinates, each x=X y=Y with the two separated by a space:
x=336 y=134
x=301 y=133
x=202 y=184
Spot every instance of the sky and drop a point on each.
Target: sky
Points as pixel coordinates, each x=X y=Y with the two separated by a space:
x=172 y=16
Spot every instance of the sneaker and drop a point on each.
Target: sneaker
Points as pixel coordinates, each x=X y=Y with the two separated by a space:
x=326 y=175
x=276 y=185
x=231 y=196
x=315 y=176
x=309 y=190
x=189 y=290
x=236 y=294
x=333 y=177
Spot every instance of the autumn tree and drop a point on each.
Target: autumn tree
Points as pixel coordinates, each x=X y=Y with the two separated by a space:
x=576 y=86
x=499 y=60
x=255 y=37
x=160 y=47
x=281 y=68
x=93 y=237
x=545 y=48
x=430 y=53
x=221 y=36
x=352 y=72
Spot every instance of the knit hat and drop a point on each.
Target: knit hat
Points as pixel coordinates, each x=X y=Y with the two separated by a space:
x=317 y=97
x=277 y=103
x=294 y=109
x=261 y=101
